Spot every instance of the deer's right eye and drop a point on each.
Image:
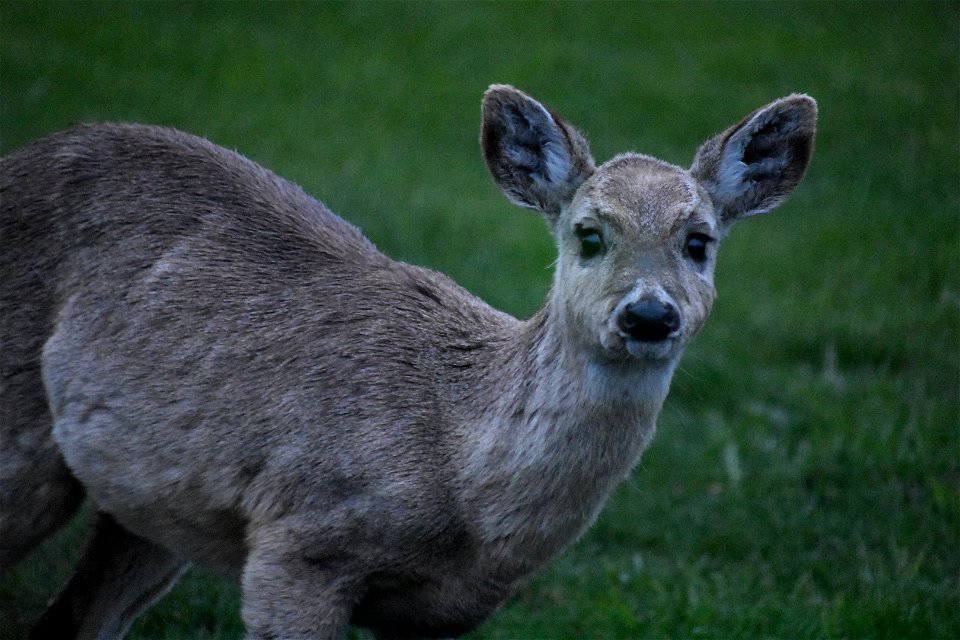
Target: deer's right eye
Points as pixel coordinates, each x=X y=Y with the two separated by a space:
x=591 y=242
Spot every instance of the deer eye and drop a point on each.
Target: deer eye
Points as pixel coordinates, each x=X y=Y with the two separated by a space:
x=697 y=246
x=591 y=241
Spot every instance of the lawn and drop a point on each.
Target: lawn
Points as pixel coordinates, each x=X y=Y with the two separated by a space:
x=805 y=479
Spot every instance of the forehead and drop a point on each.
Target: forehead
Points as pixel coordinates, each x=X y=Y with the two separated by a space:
x=633 y=190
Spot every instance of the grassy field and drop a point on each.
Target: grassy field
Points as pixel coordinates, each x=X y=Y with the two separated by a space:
x=805 y=480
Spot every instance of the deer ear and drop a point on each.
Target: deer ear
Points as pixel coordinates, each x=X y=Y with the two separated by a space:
x=536 y=158
x=753 y=166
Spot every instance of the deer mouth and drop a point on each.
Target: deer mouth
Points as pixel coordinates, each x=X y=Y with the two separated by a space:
x=659 y=350
x=621 y=345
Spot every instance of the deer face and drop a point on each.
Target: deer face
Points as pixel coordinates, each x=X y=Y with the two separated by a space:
x=637 y=237
x=637 y=250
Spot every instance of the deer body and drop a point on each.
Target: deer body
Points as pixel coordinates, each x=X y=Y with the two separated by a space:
x=236 y=377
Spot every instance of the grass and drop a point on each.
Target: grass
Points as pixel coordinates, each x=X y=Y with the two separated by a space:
x=805 y=481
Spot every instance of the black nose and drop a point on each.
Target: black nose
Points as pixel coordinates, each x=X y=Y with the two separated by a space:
x=649 y=320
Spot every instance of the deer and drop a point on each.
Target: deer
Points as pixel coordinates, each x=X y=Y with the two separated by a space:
x=235 y=377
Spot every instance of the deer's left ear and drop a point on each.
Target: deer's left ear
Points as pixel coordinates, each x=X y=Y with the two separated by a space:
x=753 y=166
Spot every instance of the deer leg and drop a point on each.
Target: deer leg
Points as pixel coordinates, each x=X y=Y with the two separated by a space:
x=119 y=575
x=291 y=594
x=39 y=495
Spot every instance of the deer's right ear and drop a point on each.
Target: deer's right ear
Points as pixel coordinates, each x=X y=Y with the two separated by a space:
x=536 y=158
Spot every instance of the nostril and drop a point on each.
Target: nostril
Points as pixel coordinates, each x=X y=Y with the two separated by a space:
x=649 y=320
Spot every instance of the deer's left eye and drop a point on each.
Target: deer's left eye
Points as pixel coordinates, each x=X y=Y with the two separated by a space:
x=696 y=246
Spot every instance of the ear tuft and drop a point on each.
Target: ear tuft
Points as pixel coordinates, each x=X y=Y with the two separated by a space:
x=754 y=165
x=536 y=158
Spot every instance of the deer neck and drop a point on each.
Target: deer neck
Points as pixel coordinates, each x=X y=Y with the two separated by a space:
x=555 y=430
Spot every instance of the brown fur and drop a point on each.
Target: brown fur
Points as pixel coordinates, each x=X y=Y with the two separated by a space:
x=236 y=377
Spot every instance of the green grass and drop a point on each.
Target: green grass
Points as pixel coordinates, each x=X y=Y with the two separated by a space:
x=805 y=479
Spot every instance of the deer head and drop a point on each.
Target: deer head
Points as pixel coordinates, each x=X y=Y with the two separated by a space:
x=637 y=237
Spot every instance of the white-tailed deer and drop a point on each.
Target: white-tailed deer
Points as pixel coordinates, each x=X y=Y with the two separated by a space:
x=237 y=378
